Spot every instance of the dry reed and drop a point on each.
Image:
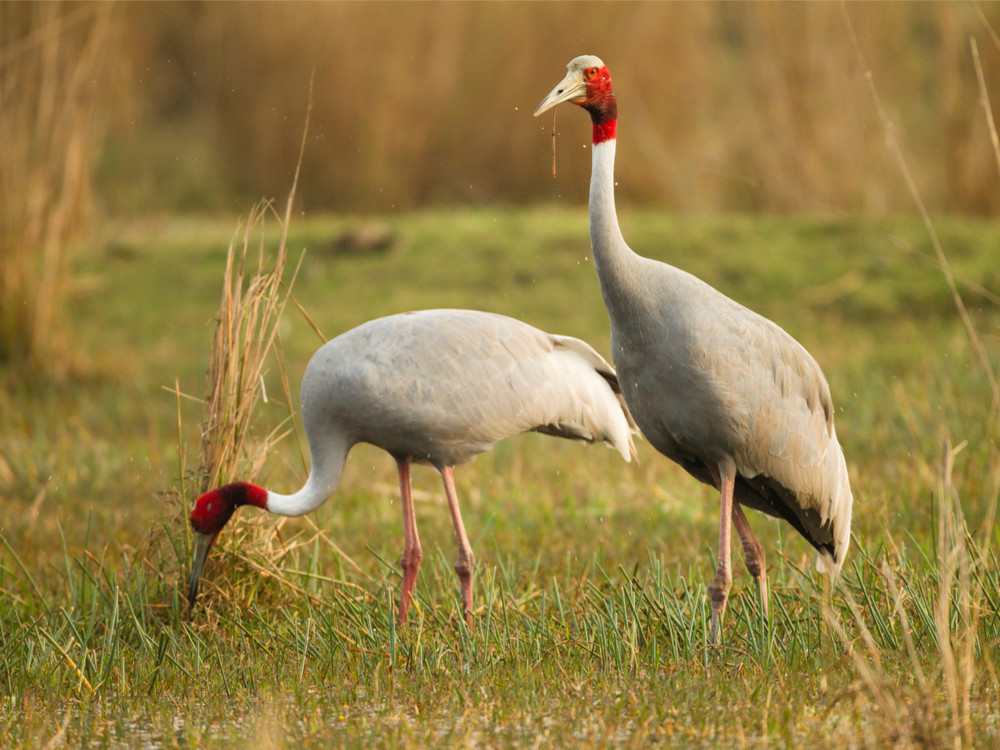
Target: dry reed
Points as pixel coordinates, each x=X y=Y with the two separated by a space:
x=245 y=340
x=725 y=106
x=245 y=335
x=915 y=716
x=52 y=68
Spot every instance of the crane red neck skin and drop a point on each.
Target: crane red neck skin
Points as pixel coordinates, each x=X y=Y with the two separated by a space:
x=210 y=514
x=588 y=85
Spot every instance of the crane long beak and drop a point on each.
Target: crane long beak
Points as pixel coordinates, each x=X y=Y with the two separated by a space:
x=570 y=89
x=202 y=544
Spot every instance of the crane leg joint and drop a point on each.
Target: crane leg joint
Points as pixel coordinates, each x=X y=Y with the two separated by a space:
x=718 y=591
x=411 y=558
x=464 y=565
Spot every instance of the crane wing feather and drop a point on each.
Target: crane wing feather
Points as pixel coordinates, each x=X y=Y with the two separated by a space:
x=441 y=386
x=790 y=446
x=709 y=378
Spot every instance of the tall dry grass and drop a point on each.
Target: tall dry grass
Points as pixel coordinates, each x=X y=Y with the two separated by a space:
x=245 y=338
x=724 y=106
x=933 y=708
x=245 y=342
x=963 y=561
x=53 y=64
x=256 y=287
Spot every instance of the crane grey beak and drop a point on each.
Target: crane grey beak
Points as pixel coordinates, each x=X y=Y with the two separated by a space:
x=572 y=88
x=202 y=544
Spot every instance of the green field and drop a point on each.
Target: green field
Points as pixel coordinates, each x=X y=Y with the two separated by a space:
x=591 y=573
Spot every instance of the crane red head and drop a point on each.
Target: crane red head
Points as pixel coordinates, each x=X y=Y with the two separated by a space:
x=587 y=84
x=210 y=514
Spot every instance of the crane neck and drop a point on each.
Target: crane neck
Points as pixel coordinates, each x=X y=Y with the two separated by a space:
x=324 y=476
x=616 y=263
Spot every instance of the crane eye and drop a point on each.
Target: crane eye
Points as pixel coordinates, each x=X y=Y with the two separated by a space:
x=590 y=73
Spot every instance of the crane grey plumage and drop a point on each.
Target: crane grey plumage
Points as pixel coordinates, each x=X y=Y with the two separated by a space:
x=719 y=389
x=440 y=386
x=435 y=387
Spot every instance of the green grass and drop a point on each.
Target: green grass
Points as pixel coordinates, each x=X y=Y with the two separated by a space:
x=591 y=574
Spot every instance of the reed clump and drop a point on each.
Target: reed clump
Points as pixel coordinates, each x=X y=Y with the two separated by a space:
x=246 y=334
x=446 y=118
x=53 y=90
x=254 y=295
x=940 y=615
x=952 y=605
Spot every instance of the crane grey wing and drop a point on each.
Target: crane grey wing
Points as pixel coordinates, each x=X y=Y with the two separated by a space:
x=787 y=449
x=608 y=412
x=551 y=384
x=441 y=386
x=429 y=386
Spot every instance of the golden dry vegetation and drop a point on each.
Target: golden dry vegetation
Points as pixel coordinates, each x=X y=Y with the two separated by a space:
x=753 y=154
x=727 y=106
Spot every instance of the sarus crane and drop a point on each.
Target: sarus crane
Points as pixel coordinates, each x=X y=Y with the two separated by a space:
x=432 y=387
x=715 y=387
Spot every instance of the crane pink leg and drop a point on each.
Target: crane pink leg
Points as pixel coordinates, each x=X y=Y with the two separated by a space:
x=412 y=554
x=725 y=478
x=754 y=553
x=464 y=564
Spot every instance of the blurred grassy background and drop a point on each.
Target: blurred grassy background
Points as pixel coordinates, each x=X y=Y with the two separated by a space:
x=123 y=123
x=724 y=106
x=751 y=155
x=142 y=115
x=90 y=471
